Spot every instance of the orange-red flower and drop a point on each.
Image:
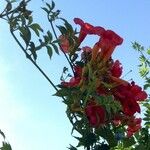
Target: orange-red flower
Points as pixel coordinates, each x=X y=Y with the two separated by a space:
x=95 y=114
x=116 y=69
x=134 y=125
x=128 y=96
x=107 y=43
x=86 y=29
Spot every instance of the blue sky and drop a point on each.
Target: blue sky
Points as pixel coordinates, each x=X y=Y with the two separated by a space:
x=30 y=116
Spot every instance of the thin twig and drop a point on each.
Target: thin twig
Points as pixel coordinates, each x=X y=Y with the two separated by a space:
x=53 y=29
x=34 y=63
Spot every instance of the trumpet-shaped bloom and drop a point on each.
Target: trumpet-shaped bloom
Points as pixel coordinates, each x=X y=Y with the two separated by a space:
x=107 y=43
x=86 y=29
x=95 y=114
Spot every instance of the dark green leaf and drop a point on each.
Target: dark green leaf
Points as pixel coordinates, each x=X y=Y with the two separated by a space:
x=53 y=5
x=68 y=26
x=30 y=20
x=25 y=34
x=62 y=30
x=48 y=5
x=49 y=51
x=36 y=28
x=46 y=39
x=45 y=9
x=127 y=142
x=140 y=147
x=146 y=86
x=107 y=134
x=6 y=146
x=50 y=36
x=9 y=6
x=33 y=51
x=62 y=92
x=65 y=69
x=72 y=148
x=55 y=48
x=2 y=133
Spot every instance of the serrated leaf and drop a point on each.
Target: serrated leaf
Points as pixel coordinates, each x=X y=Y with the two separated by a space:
x=36 y=28
x=49 y=51
x=55 y=48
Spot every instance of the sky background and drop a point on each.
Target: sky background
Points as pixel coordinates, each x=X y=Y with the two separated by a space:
x=30 y=116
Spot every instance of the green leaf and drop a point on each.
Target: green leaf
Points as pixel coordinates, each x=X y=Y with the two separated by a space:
x=48 y=5
x=107 y=134
x=146 y=86
x=33 y=50
x=62 y=29
x=2 y=133
x=127 y=142
x=62 y=92
x=67 y=25
x=6 y=146
x=142 y=58
x=53 y=5
x=50 y=36
x=55 y=48
x=46 y=39
x=9 y=6
x=45 y=9
x=148 y=51
x=49 y=51
x=140 y=147
x=30 y=20
x=25 y=34
x=72 y=148
x=36 y=28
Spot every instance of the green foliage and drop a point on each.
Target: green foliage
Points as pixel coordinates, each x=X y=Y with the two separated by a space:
x=6 y=146
x=127 y=142
x=49 y=9
x=72 y=148
x=144 y=66
x=108 y=135
x=112 y=106
x=36 y=28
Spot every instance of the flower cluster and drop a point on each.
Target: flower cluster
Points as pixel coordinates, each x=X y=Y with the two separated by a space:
x=100 y=94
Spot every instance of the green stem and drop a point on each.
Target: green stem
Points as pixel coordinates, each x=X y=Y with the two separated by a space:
x=53 y=29
x=12 y=11
x=34 y=63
